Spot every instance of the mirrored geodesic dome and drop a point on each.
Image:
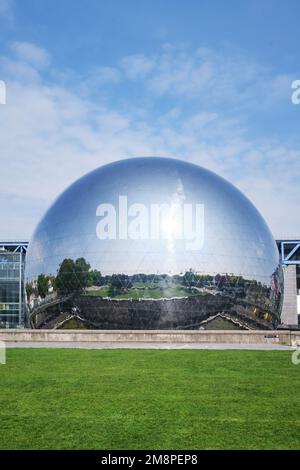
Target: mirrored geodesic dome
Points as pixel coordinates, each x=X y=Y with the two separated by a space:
x=153 y=243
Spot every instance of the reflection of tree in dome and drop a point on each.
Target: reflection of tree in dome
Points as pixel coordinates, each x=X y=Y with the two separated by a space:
x=119 y=283
x=78 y=289
x=72 y=276
x=43 y=285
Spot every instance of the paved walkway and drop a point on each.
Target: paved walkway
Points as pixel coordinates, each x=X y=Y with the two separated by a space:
x=141 y=345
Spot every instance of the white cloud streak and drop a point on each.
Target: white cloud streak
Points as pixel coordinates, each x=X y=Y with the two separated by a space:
x=50 y=134
x=30 y=54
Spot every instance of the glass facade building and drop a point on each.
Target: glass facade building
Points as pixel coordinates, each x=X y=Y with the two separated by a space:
x=12 y=307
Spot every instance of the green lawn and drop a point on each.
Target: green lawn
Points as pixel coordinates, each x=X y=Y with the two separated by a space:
x=152 y=399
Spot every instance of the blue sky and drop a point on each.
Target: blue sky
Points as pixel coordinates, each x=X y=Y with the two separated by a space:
x=93 y=81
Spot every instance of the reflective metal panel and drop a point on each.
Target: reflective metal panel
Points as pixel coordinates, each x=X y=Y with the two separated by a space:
x=153 y=243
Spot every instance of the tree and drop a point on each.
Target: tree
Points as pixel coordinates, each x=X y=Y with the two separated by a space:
x=189 y=278
x=66 y=279
x=42 y=285
x=73 y=276
x=96 y=278
x=83 y=273
x=29 y=289
x=120 y=282
x=52 y=282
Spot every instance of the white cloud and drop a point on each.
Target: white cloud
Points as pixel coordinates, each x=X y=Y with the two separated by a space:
x=100 y=76
x=137 y=66
x=214 y=78
x=50 y=135
x=31 y=54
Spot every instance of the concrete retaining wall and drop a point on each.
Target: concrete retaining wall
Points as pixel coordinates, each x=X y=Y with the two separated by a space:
x=287 y=337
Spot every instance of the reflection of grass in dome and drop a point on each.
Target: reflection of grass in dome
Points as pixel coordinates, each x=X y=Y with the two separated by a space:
x=145 y=293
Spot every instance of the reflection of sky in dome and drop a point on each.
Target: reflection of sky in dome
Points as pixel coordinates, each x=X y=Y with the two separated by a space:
x=235 y=238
